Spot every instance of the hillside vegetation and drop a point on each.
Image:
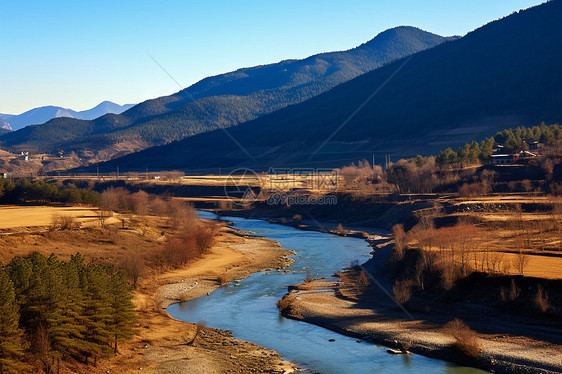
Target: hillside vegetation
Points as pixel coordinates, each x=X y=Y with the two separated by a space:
x=221 y=101
x=502 y=74
x=53 y=310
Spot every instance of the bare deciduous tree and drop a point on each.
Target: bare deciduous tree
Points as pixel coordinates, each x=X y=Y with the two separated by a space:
x=133 y=264
x=521 y=262
x=399 y=240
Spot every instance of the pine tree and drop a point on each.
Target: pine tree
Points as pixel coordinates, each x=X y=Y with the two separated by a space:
x=65 y=326
x=97 y=312
x=11 y=336
x=20 y=271
x=52 y=308
x=69 y=308
x=124 y=315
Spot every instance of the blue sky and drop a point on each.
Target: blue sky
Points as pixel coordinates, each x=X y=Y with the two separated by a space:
x=77 y=54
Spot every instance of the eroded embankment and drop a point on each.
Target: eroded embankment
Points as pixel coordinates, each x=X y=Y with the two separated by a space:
x=166 y=345
x=508 y=346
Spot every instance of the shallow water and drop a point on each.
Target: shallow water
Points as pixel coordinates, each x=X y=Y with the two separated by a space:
x=248 y=308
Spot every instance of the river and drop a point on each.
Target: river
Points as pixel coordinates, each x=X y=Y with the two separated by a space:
x=248 y=308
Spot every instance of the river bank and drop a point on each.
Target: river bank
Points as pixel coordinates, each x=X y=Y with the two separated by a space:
x=248 y=308
x=508 y=345
x=320 y=305
x=166 y=345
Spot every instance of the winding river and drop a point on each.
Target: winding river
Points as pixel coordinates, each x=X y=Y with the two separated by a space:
x=248 y=308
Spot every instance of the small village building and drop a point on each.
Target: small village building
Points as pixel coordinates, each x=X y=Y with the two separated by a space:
x=527 y=154
x=504 y=159
x=535 y=147
x=498 y=149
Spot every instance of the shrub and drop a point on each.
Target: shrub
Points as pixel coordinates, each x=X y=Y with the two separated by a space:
x=514 y=291
x=449 y=271
x=506 y=266
x=542 y=300
x=399 y=241
x=188 y=245
x=63 y=223
x=133 y=265
x=113 y=235
x=521 y=262
x=363 y=279
x=182 y=215
x=473 y=189
x=503 y=294
x=466 y=340
x=103 y=216
x=158 y=206
x=204 y=238
x=402 y=290
x=113 y=199
x=141 y=202
x=172 y=175
x=175 y=252
x=340 y=230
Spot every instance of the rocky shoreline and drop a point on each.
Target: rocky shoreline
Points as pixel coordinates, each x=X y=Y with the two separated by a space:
x=500 y=355
x=165 y=345
x=321 y=305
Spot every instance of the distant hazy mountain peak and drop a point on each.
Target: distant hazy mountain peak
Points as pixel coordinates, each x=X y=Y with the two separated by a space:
x=223 y=100
x=60 y=112
x=5 y=125
x=45 y=113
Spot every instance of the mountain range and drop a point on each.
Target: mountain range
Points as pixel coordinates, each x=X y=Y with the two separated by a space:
x=45 y=113
x=220 y=101
x=502 y=75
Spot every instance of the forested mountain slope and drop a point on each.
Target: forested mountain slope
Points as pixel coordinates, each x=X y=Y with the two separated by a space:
x=220 y=101
x=504 y=74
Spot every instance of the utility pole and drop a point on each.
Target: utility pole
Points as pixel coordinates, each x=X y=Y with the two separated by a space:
x=387 y=161
x=373 y=161
x=117 y=171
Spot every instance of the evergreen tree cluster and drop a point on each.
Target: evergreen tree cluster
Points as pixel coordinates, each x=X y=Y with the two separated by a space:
x=513 y=140
x=425 y=174
x=52 y=311
x=25 y=191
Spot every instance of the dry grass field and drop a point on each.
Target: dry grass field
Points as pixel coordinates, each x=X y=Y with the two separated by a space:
x=275 y=182
x=498 y=234
x=29 y=230
x=159 y=342
x=12 y=216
